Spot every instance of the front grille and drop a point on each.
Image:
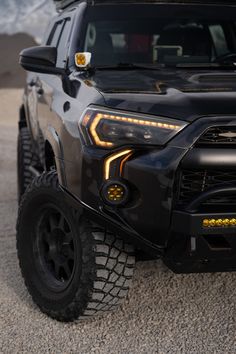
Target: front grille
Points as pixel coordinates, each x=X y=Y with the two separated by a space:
x=218 y=136
x=194 y=182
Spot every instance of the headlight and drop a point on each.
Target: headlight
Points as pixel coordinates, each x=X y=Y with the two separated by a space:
x=109 y=129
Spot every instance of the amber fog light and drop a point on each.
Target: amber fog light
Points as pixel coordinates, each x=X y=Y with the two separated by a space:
x=115 y=193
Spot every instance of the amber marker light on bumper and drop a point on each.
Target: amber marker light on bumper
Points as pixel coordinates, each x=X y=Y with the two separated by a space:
x=109 y=129
x=210 y=223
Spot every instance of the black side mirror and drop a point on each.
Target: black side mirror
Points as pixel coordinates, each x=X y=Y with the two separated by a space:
x=40 y=60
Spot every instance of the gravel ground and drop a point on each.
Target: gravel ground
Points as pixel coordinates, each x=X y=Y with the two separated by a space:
x=164 y=313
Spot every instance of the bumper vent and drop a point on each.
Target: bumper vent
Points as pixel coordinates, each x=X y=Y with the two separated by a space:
x=193 y=182
x=218 y=136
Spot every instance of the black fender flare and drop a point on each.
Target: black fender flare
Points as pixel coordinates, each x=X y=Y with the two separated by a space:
x=52 y=138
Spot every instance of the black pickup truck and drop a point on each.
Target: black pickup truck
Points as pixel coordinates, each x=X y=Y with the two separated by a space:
x=126 y=149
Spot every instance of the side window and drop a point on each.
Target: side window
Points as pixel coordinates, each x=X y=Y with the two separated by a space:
x=63 y=45
x=55 y=34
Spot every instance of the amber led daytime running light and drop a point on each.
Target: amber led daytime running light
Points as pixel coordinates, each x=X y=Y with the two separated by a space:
x=99 y=116
x=110 y=159
x=123 y=161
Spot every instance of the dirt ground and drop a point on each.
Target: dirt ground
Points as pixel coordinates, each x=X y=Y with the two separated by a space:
x=164 y=313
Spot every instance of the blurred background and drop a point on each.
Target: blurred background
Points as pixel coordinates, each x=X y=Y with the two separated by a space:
x=22 y=24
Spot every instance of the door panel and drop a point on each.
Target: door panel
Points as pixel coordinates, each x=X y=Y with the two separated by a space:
x=50 y=86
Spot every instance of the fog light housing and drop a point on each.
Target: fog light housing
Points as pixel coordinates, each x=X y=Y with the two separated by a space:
x=115 y=193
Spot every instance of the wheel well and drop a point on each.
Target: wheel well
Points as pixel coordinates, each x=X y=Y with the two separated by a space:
x=22 y=117
x=49 y=157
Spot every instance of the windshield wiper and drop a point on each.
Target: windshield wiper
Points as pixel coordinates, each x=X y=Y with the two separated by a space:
x=129 y=66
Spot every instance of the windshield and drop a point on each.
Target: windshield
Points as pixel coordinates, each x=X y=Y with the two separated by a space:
x=157 y=34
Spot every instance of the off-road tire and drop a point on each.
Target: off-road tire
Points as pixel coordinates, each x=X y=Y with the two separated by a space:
x=25 y=159
x=104 y=267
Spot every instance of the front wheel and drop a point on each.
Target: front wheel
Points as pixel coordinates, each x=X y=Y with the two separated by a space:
x=71 y=269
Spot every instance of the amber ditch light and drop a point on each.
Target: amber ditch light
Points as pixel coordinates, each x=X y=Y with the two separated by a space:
x=82 y=60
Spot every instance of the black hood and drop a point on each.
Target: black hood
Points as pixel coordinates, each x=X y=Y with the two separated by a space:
x=182 y=94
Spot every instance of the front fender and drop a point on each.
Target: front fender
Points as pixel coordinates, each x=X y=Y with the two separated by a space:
x=53 y=139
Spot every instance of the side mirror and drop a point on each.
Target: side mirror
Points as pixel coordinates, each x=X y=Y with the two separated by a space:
x=40 y=60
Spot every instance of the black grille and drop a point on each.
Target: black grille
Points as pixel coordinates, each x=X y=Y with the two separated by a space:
x=218 y=136
x=194 y=182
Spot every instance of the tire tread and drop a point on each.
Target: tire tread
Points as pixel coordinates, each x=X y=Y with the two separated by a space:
x=26 y=158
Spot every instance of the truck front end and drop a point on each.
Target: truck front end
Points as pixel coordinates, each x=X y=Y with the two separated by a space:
x=159 y=150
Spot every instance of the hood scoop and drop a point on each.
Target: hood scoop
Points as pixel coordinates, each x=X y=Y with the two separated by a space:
x=213 y=78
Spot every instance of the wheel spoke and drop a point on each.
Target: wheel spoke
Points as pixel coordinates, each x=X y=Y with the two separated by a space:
x=67 y=251
x=61 y=222
x=55 y=241
x=67 y=270
x=57 y=267
x=48 y=256
x=68 y=237
x=52 y=222
x=46 y=237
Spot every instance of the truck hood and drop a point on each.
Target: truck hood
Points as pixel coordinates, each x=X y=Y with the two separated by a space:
x=181 y=94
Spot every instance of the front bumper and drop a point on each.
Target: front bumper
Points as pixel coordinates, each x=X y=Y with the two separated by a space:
x=203 y=241
x=193 y=223
x=202 y=253
x=195 y=248
x=153 y=217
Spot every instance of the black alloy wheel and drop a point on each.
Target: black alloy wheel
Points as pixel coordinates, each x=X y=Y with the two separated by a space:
x=55 y=247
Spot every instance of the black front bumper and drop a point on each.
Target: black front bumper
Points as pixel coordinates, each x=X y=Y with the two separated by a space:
x=203 y=241
x=201 y=253
x=192 y=224
x=154 y=218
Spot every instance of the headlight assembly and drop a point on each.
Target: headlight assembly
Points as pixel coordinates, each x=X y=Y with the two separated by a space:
x=109 y=129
